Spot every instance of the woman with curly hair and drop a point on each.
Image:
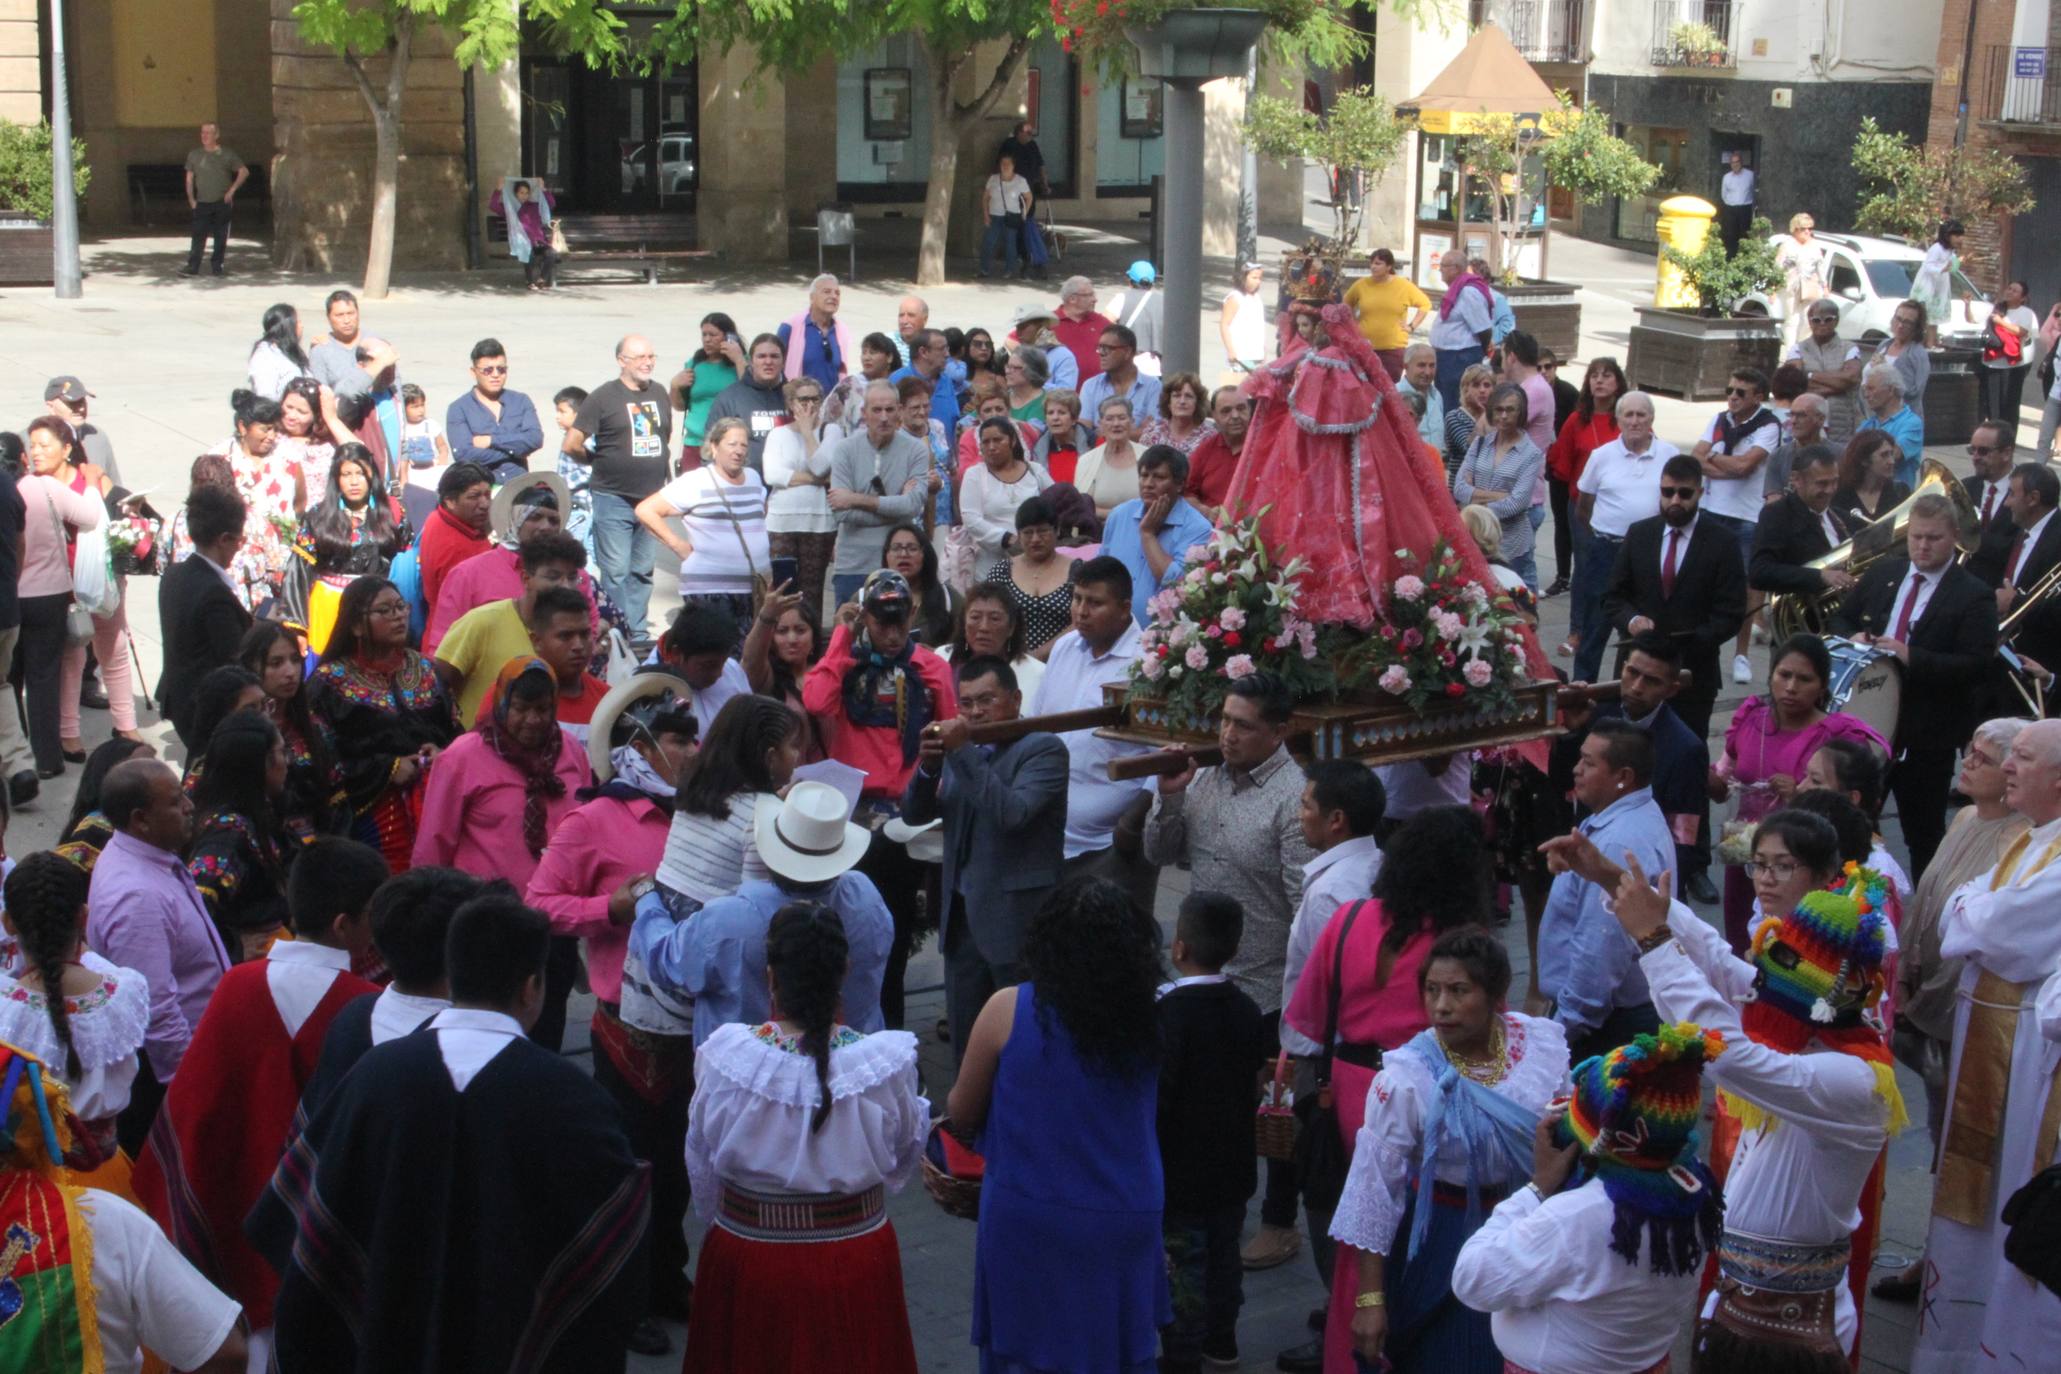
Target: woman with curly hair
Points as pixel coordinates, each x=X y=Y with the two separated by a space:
x=241 y=848
x=1060 y=1081
x=802 y=1108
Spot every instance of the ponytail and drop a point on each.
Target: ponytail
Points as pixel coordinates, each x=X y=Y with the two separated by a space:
x=807 y=954
x=44 y=896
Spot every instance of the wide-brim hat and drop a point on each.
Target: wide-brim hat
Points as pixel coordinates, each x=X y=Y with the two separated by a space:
x=807 y=836
x=501 y=515
x=1025 y=314
x=925 y=843
x=621 y=698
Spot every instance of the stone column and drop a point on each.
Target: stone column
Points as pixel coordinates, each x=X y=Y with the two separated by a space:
x=740 y=210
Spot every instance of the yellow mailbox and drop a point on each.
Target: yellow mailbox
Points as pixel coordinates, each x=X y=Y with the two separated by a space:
x=1684 y=224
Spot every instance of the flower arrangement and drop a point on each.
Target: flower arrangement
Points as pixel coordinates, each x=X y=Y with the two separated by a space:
x=1445 y=638
x=131 y=544
x=1231 y=615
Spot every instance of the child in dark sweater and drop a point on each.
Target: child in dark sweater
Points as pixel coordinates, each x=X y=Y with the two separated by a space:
x=1214 y=1045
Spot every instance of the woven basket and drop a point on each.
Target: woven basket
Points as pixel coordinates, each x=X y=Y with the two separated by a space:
x=960 y=1197
x=1274 y=1131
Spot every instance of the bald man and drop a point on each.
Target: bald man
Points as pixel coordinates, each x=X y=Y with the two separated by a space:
x=912 y=317
x=628 y=419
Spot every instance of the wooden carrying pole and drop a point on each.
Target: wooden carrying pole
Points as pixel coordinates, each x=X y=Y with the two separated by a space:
x=1058 y=723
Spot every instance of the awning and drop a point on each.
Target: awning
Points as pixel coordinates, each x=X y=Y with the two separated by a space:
x=1489 y=77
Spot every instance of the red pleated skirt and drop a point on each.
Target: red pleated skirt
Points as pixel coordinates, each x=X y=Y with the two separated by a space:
x=774 y=1307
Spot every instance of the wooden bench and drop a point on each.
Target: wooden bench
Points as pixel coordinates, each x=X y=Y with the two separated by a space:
x=157 y=192
x=639 y=243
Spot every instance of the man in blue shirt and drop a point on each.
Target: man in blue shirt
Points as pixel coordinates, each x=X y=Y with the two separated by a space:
x=717 y=958
x=1882 y=388
x=1151 y=534
x=491 y=425
x=928 y=361
x=1587 y=965
x=825 y=345
x=1118 y=350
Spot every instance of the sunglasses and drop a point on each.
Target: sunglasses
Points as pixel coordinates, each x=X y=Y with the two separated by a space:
x=1740 y=391
x=1679 y=493
x=1980 y=450
x=492 y=369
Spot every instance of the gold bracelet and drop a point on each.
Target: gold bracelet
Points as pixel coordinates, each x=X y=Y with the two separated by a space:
x=1377 y=1298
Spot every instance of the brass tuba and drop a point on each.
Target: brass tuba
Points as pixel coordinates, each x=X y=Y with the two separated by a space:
x=1794 y=613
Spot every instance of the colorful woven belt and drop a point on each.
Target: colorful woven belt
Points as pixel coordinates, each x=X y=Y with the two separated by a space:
x=1782 y=1266
x=801 y=1216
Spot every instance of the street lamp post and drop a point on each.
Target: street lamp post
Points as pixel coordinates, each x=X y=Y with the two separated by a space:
x=64 y=205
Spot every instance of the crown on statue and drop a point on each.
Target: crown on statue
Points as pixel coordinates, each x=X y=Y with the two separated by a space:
x=1313 y=272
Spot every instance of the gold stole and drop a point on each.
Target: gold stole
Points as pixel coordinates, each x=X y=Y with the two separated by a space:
x=1966 y=1188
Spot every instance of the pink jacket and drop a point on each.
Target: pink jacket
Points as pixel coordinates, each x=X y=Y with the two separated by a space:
x=495 y=575
x=596 y=849
x=45 y=568
x=472 y=809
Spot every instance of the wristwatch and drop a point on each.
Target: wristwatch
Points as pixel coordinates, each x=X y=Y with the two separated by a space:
x=643 y=888
x=1654 y=938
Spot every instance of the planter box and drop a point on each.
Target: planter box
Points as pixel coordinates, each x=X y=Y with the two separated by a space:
x=1197 y=45
x=1549 y=311
x=1691 y=356
x=1953 y=396
x=1382 y=730
x=25 y=251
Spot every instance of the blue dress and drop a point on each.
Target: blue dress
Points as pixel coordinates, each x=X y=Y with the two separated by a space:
x=1069 y=1271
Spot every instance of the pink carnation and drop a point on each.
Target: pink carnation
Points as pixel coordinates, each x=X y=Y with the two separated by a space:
x=1449 y=625
x=1395 y=680
x=1233 y=618
x=1197 y=657
x=1412 y=638
x=1476 y=672
x=1151 y=666
x=1409 y=587
x=1239 y=665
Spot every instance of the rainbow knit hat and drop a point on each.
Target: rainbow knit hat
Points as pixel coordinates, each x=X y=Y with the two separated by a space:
x=1634 y=1114
x=1822 y=962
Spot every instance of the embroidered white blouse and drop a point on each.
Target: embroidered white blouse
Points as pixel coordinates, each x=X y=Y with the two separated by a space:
x=107 y=1026
x=753 y=1099
x=1377 y=1188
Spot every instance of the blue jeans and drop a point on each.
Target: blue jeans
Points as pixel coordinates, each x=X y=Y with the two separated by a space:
x=623 y=553
x=1526 y=567
x=999 y=231
x=1595 y=557
x=1451 y=363
x=845 y=587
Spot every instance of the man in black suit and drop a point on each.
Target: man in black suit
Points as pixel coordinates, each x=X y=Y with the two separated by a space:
x=1004 y=812
x=199 y=617
x=1941 y=623
x=1799 y=526
x=2013 y=560
x=1682 y=578
x=1991 y=448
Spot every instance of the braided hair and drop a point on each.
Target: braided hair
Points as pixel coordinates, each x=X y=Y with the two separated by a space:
x=46 y=895
x=806 y=953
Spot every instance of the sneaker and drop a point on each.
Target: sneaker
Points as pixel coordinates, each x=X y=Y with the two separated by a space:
x=1221 y=1353
x=1742 y=669
x=1272 y=1247
x=1559 y=587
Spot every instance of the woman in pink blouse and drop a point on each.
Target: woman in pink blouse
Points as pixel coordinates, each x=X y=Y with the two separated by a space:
x=52 y=515
x=1768 y=749
x=1434 y=877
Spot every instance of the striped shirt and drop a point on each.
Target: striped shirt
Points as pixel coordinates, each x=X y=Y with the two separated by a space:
x=706 y=859
x=716 y=513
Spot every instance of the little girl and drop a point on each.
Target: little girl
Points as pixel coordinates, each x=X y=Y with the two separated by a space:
x=421 y=443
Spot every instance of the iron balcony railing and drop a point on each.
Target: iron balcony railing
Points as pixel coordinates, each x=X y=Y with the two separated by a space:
x=2019 y=86
x=1694 y=33
x=1541 y=30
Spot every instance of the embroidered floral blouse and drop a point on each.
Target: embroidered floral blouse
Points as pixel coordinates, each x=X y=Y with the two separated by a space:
x=107 y=1026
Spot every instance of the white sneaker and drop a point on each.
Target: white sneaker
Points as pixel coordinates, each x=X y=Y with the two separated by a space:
x=1742 y=669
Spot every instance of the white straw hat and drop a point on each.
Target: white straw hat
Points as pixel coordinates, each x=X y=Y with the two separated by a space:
x=806 y=838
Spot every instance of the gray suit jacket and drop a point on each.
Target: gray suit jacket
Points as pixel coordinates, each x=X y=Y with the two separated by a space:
x=1007 y=817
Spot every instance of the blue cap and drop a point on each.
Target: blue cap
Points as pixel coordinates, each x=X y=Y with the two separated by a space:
x=1142 y=272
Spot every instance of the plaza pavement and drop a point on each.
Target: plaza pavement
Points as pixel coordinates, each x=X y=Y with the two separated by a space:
x=162 y=354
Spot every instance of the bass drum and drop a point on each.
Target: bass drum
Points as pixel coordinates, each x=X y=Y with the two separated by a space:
x=1868 y=684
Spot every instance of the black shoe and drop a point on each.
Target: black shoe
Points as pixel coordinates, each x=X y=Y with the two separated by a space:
x=1901 y=1286
x=1221 y=1353
x=22 y=788
x=1318 y=1316
x=649 y=1338
x=1559 y=587
x=1307 y=1358
x=190 y=270
x=221 y=273
x=43 y=772
x=92 y=698
x=1700 y=888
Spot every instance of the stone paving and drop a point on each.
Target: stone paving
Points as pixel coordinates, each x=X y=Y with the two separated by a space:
x=163 y=353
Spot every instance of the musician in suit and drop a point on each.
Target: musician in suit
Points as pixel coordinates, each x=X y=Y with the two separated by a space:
x=1004 y=812
x=1941 y=623
x=1799 y=526
x=199 y=618
x=2022 y=558
x=1991 y=447
x=1682 y=577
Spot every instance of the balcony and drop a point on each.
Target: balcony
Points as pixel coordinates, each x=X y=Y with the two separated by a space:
x=1694 y=33
x=1541 y=30
x=2020 y=86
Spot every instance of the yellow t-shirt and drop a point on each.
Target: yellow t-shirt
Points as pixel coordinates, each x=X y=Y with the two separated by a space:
x=1381 y=307
x=479 y=645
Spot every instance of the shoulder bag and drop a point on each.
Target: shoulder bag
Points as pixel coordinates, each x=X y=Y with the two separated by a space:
x=1321 y=1160
x=78 y=621
x=761 y=582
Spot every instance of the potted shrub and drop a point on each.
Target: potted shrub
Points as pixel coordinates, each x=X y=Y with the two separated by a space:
x=25 y=201
x=1698 y=45
x=1692 y=353
x=1360 y=135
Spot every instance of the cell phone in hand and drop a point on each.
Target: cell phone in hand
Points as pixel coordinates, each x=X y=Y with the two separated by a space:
x=786 y=570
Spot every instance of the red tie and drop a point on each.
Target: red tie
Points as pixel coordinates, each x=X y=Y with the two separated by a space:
x=1989 y=501
x=2011 y=563
x=1667 y=567
x=1903 y=620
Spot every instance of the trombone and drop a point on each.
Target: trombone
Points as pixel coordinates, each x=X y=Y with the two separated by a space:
x=2028 y=686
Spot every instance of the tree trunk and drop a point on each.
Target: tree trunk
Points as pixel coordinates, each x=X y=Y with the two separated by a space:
x=386 y=154
x=946 y=125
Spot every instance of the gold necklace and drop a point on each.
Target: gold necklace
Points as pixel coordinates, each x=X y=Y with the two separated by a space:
x=1487 y=1071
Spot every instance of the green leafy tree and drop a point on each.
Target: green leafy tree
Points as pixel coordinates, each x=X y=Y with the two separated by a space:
x=26 y=176
x=1912 y=188
x=1719 y=279
x=1577 y=152
x=364 y=32
x=1360 y=134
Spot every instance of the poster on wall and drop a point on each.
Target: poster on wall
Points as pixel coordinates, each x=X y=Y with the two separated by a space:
x=1140 y=117
x=1430 y=248
x=890 y=104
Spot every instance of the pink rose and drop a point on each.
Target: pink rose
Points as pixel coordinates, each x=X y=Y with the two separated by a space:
x=1476 y=672
x=1413 y=639
x=1409 y=587
x=1197 y=657
x=1394 y=680
x=1239 y=665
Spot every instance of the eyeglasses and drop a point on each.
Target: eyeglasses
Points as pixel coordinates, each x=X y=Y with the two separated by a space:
x=1782 y=870
x=1981 y=759
x=491 y=369
x=389 y=609
x=1739 y=391
x=1107 y=347
x=1980 y=450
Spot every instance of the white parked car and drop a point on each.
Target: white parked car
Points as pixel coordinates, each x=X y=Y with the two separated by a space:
x=1869 y=277
x=675 y=165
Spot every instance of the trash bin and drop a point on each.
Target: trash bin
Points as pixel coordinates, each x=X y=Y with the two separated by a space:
x=837 y=227
x=1683 y=225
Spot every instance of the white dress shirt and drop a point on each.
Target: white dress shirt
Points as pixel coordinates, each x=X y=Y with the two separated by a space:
x=1737 y=187
x=2032 y=537
x=1626 y=485
x=1074 y=678
x=396 y=1013
x=1992 y=498
x=469 y=1038
x=1341 y=874
x=1916 y=589
x=1688 y=532
x=298 y=974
